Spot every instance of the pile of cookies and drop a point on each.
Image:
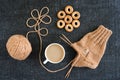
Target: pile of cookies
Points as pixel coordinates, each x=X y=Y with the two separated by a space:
x=69 y=19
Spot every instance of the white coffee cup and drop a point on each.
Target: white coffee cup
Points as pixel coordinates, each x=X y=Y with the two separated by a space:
x=54 y=53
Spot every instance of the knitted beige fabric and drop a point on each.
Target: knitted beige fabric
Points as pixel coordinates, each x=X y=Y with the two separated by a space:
x=90 y=48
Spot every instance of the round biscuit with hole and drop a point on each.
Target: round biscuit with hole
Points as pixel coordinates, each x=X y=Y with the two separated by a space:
x=69 y=28
x=60 y=24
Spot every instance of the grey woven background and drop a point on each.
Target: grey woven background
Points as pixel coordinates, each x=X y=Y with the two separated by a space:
x=13 y=15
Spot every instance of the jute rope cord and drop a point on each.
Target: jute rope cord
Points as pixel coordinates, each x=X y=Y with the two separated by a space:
x=38 y=29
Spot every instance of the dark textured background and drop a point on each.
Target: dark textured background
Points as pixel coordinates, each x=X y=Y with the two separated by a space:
x=13 y=15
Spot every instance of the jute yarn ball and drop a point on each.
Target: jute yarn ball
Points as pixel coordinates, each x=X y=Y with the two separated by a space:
x=18 y=47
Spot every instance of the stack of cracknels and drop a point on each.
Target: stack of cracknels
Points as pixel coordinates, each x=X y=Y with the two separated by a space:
x=68 y=19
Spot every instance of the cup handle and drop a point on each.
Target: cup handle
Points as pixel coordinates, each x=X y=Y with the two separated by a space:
x=45 y=61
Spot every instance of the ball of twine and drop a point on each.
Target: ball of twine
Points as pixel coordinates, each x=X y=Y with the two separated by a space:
x=18 y=47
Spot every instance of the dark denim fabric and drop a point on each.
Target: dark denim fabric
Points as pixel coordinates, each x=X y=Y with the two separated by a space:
x=13 y=15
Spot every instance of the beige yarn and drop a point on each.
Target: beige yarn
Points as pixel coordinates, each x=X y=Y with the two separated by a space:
x=18 y=47
x=90 y=48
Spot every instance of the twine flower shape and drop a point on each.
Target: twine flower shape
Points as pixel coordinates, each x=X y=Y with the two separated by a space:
x=38 y=17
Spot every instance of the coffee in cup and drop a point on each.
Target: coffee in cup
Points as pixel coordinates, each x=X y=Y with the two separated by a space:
x=54 y=53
